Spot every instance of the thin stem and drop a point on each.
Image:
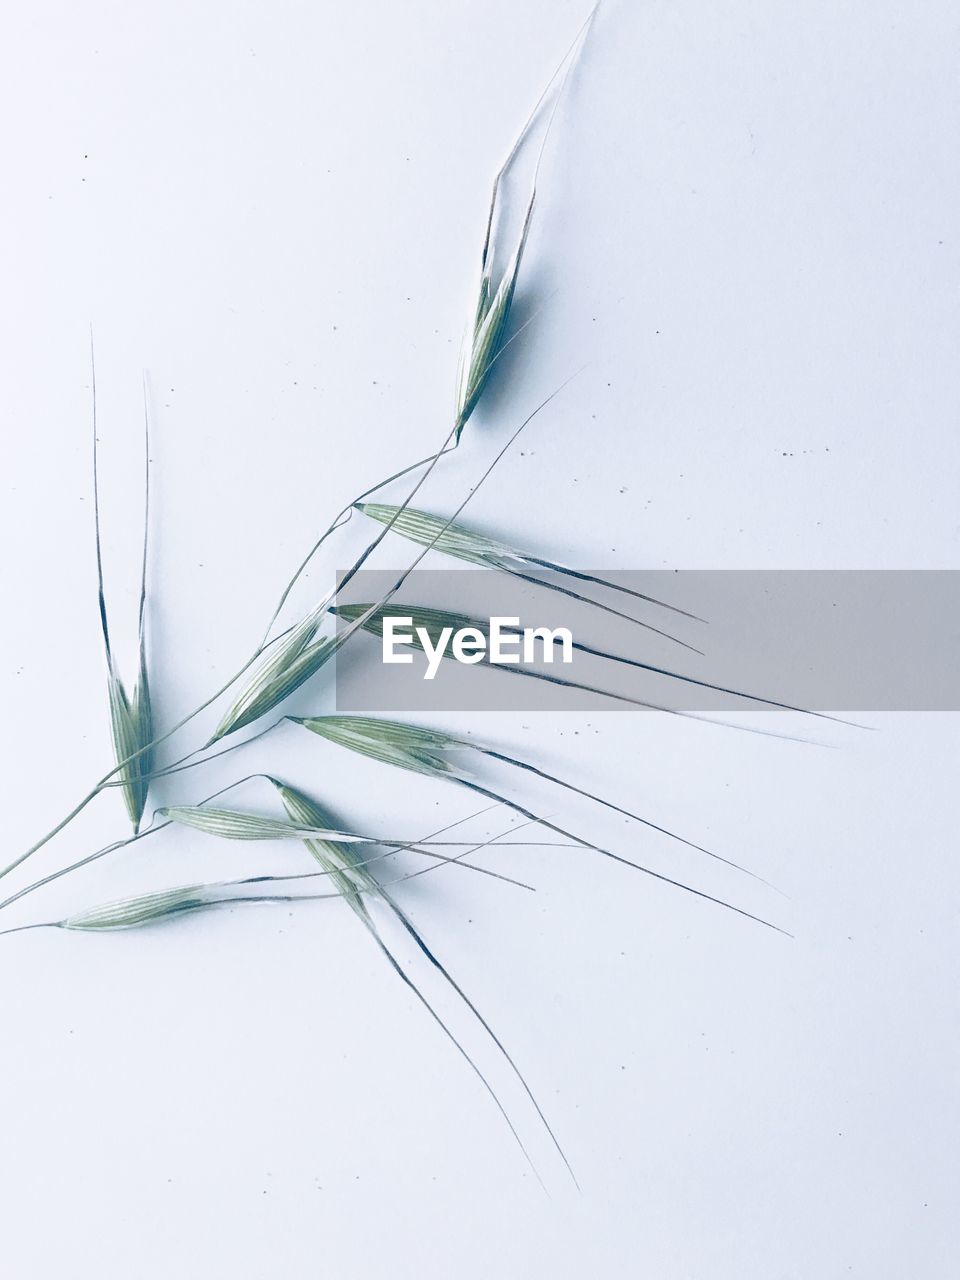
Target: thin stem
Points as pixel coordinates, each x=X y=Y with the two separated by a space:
x=117 y=844
x=521 y=136
x=357 y=623
x=102 y=782
x=607 y=853
x=83 y=862
x=607 y=804
x=457 y=859
x=705 y=684
x=101 y=599
x=448 y=977
x=393 y=846
x=552 y=565
x=598 y=604
x=361 y=911
x=270 y=879
x=182 y=765
x=339 y=522
x=146 y=511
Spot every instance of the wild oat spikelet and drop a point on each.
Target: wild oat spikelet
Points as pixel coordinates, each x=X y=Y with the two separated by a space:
x=131 y=714
x=293 y=661
x=484 y=340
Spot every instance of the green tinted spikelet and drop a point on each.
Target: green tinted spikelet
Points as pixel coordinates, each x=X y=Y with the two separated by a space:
x=230 y=824
x=407 y=746
x=484 y=341
x=463 y=543
x=131 y=716
x=335 y=857
x=146 y=908
x=131 y=727
x=293 y=661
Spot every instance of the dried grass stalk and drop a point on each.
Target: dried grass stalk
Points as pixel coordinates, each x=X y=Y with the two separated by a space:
x=463 y=543
x=131 y=714
x=484 y=340
x=295 y=658
x=408 y=746
x=353 y=879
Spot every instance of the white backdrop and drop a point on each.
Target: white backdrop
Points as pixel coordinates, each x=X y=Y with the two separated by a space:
x=747 y=236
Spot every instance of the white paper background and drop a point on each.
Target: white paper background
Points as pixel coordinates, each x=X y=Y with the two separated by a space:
x=747 y=237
